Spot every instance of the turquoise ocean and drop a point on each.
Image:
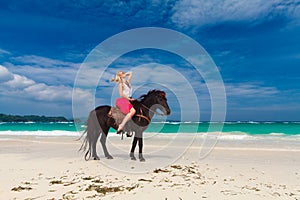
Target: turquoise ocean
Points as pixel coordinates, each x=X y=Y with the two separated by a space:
x=233 y=130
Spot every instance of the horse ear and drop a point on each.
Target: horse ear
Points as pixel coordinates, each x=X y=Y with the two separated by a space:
x=162 y=94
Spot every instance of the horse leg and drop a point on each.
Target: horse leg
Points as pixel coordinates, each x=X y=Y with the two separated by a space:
x=139 y=138
x=103 y=143
x=134 y=142
x=94 y=145
x=142 y=159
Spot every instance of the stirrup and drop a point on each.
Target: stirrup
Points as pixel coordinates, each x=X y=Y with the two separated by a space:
x=120 y=131
x=129 y=134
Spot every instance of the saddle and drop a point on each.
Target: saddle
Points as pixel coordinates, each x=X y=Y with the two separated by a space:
x=118 y=117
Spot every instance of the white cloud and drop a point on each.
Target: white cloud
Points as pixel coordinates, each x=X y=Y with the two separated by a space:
x=248 y=90
x=5 y=75
x=93 y=71
x=3 y=52
x=44 y=92
x=83 y=102
x=19 y=82
x=43 y=61
x=189 y=13
x=157 y=76
x=22 y=87
x=42 y=69
x=53 y=76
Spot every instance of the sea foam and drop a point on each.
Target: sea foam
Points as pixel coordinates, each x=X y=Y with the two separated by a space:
x=40 y=133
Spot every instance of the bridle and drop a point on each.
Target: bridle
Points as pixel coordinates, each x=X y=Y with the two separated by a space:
x=144 y=116
x=141 y=115
x=154 y=112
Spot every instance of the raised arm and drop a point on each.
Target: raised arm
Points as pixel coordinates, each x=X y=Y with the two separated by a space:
x=129 y=74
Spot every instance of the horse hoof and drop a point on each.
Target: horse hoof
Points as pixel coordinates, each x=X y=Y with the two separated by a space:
x=132 y=156
x=142 y=159
x=96 y=158
x=109 y=157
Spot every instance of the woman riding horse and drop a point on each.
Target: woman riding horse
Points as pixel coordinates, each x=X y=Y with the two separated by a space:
x=125 y=91
x=100 y=121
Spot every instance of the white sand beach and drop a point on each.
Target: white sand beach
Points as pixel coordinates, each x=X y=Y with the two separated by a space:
x=51 y=168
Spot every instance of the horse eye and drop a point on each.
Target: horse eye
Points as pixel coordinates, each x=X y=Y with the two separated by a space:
x=162 y=98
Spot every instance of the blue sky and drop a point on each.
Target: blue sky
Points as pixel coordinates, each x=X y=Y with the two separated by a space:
x=255 y=45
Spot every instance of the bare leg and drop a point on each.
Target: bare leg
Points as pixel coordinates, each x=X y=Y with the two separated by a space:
x=126 y=119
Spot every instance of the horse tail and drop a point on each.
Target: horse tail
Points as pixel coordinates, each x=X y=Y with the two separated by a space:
x=87 y=155
x=81 y=137
x=84 y=146
x=88 y=135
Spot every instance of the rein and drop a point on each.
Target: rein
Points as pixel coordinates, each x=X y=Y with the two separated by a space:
x=155 y=112
x=145 y=117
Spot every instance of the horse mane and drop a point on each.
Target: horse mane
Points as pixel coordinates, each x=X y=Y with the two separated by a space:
x=142 y=97
x=137 y=102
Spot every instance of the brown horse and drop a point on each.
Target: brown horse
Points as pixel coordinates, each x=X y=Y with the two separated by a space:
x=100 y=120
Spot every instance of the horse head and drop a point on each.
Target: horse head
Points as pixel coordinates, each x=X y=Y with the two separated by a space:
x=156 y=99
x=162 y=101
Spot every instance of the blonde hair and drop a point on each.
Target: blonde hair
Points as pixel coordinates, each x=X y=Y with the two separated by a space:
x=117 y=78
